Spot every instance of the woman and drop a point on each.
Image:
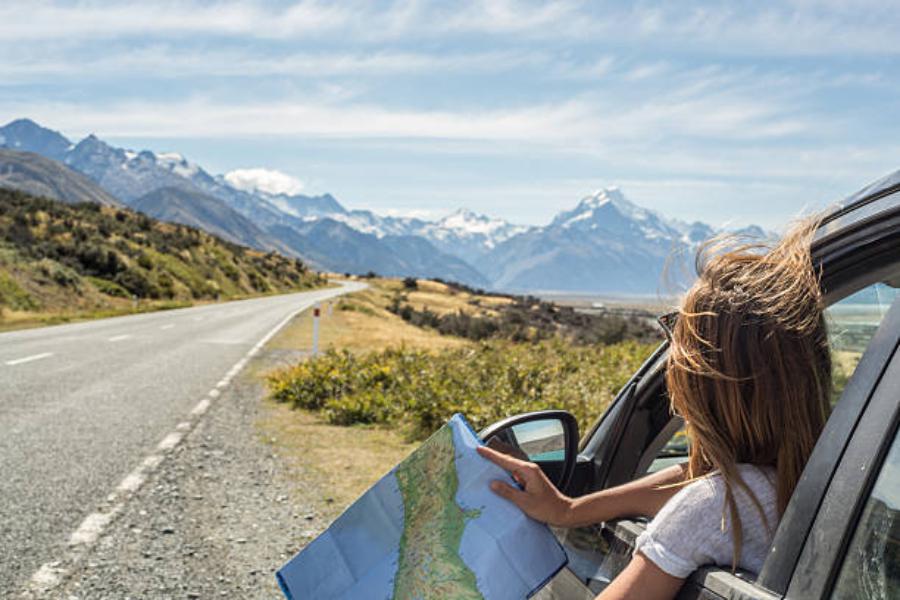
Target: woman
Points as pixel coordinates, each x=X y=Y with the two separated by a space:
x=749 y=371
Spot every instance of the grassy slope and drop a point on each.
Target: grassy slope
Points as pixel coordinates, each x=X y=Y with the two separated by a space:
x=60 y=262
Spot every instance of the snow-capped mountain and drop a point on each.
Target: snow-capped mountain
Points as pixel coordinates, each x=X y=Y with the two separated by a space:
x=604 y=244
x=469 y=235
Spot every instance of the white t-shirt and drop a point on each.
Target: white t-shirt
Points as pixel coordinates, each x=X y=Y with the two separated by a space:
x=687 y=532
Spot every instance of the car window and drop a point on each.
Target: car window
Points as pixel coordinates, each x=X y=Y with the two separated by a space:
x=851 y=324
x=871 y=567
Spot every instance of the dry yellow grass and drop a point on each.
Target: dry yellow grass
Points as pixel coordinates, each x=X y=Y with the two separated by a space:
x=442 y=299
x=345 y=461
x=359 y=322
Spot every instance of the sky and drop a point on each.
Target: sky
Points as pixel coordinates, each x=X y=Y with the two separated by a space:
x=729 y=113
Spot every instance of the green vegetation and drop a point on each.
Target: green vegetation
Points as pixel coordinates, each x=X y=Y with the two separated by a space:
x=66 y=261
x=488 y=381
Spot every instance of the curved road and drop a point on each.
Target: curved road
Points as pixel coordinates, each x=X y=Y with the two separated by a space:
x=82 y=405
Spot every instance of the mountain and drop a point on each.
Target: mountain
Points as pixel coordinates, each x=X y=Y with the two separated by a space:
x=41 y=176
x=605 y=244
x=125 y=174
x=169 y=187
x=28 y=136
x=179 y=205
x=338 y=247
x=306 y=206
x=119 y=255
x=468 y=235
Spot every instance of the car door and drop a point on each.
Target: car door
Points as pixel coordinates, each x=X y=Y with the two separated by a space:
x=862 y=257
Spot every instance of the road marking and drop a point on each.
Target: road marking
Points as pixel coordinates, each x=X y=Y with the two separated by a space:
x=28 y=359
x=169 y=326
x=93 y=525
x=119 y=338
x=170 y=441
x=201 y=407
x=50 y=575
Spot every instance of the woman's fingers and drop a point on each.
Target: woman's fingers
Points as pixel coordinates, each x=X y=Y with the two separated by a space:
x=502 y=460
x=504 y=490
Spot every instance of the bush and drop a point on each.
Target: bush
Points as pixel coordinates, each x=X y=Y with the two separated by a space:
x=486 y=382
x=410 y=283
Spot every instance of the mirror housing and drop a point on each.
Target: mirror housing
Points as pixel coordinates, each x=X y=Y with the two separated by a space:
x=548 y=438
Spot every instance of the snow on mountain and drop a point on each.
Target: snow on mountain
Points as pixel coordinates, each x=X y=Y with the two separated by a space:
x=466 y=224
x=177 y=164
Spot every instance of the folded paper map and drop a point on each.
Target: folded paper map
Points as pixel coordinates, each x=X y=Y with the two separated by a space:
x=431 y=528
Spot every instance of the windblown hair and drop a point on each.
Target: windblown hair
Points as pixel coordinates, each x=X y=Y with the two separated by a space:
x=749 y=368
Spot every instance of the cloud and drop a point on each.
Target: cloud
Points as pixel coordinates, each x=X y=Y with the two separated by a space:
x=166 y=61
x=787 y=29
x=264 y=180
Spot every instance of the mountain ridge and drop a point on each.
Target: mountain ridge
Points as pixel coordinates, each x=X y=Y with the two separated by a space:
x=605 y=243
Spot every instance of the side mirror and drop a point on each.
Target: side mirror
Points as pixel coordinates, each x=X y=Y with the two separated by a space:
x=548 y=438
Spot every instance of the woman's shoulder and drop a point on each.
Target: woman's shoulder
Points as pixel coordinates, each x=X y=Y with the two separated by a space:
x=702 y=501
x=693 y=527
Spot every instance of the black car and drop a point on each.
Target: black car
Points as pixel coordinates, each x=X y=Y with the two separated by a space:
x=840 y=534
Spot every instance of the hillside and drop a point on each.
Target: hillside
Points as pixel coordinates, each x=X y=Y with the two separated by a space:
x=40 y=176
x=205 y=212
x=69 y=260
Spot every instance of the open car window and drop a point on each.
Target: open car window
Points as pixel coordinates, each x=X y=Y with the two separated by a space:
x=851 y=323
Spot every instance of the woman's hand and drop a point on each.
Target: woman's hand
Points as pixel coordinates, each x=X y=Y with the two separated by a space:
x=539 y=498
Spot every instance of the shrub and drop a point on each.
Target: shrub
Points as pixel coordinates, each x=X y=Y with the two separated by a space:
x=487 y=382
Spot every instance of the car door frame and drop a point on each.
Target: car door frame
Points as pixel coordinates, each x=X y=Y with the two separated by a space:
x=838 y=514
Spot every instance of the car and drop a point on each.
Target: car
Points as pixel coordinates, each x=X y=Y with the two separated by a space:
x=840 y=534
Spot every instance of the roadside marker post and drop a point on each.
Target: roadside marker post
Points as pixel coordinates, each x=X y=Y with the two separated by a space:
x=315 y=344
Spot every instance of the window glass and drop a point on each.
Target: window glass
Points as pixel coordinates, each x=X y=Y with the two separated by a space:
x=851 y=324
x=871 y=567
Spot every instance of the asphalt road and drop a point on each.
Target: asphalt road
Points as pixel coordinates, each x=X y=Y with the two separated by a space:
x=82 y=405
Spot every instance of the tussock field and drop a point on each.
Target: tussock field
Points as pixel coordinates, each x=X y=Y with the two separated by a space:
x=379 y=369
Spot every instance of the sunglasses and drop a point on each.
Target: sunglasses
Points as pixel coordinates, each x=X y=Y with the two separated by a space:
x=667 y=323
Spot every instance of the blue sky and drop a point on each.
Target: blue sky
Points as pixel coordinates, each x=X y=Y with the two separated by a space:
x=726 y=112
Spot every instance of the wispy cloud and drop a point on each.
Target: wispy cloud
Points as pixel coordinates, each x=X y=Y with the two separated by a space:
x=165 y=61
x=798 y=28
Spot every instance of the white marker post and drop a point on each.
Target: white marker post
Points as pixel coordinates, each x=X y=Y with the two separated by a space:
x=315 y=345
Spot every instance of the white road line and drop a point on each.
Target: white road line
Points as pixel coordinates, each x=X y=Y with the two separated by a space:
x=170 y=441
x=169 y=326
x=92 y=526
x=119 y=338
x=50 y=575
x=28 y=359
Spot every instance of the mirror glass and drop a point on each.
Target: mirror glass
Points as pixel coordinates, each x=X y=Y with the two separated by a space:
x=542 y=440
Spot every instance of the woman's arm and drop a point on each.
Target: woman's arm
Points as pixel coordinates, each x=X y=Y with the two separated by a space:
x=540 y=499
x=642 y=579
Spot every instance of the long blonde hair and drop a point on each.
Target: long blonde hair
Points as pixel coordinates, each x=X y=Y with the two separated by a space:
x=749 y=368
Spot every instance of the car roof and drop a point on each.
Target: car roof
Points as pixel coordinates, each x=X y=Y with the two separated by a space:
x=873 y=203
